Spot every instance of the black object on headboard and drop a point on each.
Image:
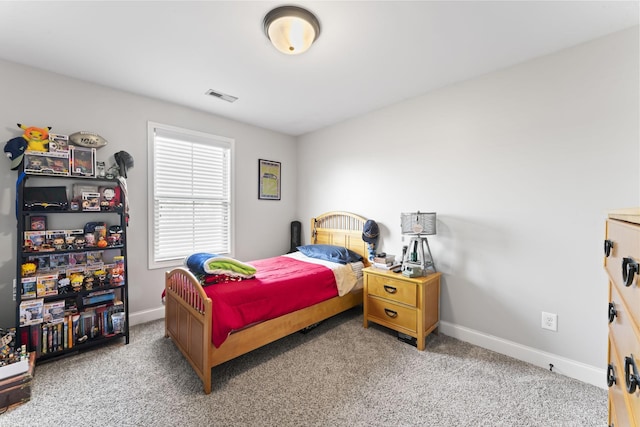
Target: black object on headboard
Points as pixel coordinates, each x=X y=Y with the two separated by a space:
x=296 y=229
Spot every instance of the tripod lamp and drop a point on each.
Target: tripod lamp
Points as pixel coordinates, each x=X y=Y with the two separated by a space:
x=416 y=261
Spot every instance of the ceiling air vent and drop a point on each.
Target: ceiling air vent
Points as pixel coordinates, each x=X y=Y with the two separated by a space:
x=223 y=96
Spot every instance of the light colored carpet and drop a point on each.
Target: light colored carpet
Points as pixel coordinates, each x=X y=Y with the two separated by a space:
x=338 y=374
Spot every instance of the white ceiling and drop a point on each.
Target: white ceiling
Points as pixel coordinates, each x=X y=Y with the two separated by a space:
x=370 y=54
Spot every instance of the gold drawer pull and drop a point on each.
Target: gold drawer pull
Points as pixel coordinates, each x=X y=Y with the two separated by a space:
x=390 y=289
x=391 y=313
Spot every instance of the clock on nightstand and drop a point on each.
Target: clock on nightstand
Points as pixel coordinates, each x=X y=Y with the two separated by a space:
x=409 y=305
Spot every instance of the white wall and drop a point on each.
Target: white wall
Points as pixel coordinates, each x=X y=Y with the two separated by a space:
x=38 y=98
x=521 y=166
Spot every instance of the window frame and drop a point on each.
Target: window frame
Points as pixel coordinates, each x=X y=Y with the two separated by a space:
x=196 y=136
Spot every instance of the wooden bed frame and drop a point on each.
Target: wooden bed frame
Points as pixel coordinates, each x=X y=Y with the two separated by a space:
x=188 y=310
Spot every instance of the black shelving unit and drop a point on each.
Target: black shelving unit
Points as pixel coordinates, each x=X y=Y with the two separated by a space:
x=90 y=307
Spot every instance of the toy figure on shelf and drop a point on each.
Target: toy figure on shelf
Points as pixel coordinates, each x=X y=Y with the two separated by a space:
x=80 y=242
x=37 y=138
x=77 y=280
x=117 y=272
x=100 y=276
x=64 y=285
x=58 y=243
x=89 y=281
x=115 y=235
x=90 y=239
x=28 y=269
x=102 y=242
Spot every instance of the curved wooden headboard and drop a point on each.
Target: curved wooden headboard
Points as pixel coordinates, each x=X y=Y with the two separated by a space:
x=340 y=229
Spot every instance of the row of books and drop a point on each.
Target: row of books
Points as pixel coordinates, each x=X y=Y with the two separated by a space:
x=71 y=330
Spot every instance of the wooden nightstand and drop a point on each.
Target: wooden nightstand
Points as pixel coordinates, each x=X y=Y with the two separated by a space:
x=407 y=305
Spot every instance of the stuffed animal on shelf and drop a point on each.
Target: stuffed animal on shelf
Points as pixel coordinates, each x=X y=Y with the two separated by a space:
x=37 y=138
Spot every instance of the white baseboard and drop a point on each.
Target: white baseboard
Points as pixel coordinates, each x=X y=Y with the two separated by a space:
x=561 y=365
x=146 y=316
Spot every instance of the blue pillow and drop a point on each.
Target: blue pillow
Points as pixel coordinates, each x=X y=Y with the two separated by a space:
x=330 y=253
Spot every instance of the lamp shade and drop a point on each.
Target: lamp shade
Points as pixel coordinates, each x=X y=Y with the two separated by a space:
x=291 y=29
x=423 y=223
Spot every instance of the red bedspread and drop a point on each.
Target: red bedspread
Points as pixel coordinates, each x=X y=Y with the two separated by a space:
x=282 y=285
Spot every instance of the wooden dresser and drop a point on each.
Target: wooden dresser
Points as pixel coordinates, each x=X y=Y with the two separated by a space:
x=407 y=305
x=622 y=263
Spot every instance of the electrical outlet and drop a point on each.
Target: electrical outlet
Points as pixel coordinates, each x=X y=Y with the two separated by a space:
x=550 y=321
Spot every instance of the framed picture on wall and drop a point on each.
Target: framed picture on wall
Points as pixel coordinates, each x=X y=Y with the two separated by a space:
x=268 y=180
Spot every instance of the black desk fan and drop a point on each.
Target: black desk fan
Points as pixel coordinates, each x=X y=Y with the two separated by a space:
x=416 y=261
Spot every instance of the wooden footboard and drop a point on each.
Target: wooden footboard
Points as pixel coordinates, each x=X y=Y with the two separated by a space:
x=188 y=320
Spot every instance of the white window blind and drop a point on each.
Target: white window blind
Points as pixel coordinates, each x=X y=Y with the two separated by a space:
x=191 y=194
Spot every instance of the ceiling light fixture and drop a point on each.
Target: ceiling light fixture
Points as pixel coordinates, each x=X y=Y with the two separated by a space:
x=291 y=29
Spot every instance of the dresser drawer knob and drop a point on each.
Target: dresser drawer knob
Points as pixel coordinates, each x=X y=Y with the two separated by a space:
x=608 y=245
x=629 y=268
x=612 y=312
x=390 y=289
x=611 y=377
x=391 y=313
x=631 y=374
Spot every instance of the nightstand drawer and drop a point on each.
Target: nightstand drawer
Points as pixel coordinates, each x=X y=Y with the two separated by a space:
x=389 y=314
x=393 y=289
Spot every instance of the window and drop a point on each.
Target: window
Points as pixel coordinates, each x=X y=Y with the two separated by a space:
x=190 y=206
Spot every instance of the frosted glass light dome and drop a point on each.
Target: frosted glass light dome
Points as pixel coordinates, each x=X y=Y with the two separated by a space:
x=291 y=29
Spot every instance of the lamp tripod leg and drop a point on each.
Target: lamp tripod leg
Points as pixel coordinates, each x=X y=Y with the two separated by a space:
x=430 y=262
